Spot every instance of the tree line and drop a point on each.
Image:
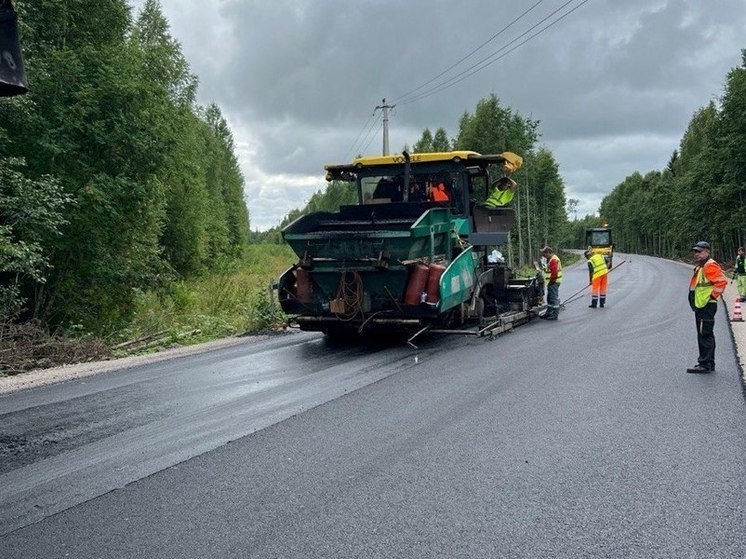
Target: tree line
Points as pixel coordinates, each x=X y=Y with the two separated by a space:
x=701 y=193
x=113 y=180
x=541 y=216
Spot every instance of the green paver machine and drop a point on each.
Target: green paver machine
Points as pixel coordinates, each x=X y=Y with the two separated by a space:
x=414 y=254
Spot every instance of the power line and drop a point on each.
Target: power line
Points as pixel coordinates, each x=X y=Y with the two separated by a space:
x=371 y=128
x=478 y=66
x=371 y=139
x=359 y=134
x=405 y=95
x=369 y=135
x=473 y=69
x=468 y=72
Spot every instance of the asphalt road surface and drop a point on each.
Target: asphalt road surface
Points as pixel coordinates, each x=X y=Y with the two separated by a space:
x=577 y=438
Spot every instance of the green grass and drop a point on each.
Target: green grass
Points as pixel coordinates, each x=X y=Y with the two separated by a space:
x=569 y=258
x=234 y=300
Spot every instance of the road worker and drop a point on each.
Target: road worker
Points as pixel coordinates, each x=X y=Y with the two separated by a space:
x=706 y=285
x=553 y=276
x=503 y=191
x=439 y=192
x=598 y=277
x=739 y=273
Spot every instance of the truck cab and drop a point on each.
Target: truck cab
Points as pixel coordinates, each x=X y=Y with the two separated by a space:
x=598 y=240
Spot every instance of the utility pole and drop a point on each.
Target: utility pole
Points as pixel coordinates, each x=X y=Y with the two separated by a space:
x=531 y=249
x=518 y=219
x=385 y=109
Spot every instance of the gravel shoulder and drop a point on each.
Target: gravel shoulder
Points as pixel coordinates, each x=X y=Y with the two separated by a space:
x=41 y=377
x=737 y=329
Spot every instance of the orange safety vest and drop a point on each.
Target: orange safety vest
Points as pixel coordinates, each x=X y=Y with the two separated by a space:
x=440 y=194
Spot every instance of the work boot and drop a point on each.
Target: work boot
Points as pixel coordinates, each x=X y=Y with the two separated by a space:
x=699 y=369
x=594 y=303
x=602 y=302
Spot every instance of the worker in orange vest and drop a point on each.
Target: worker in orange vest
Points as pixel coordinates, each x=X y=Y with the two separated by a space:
x=707 y=284
x=438 y=191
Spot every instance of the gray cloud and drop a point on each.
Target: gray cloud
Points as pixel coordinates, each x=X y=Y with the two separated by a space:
x=614 y=84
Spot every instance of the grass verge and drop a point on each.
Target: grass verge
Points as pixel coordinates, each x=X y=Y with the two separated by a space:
x=233 y=300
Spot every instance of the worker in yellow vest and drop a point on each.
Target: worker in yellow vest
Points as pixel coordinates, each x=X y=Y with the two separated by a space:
x=739 y=273
x=598 y=279
x=706 y=286
x=503 y=191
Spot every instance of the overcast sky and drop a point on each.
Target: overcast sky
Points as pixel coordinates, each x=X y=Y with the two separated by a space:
x=614 y=84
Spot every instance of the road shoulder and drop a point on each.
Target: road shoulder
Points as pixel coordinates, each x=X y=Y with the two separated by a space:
x=41 y=377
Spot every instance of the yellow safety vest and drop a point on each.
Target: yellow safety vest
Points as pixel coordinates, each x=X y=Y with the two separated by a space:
x=599 y=265
x=702 y=289
x=499 y=198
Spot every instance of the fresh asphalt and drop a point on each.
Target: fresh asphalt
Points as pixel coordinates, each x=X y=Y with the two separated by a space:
x=577 y=438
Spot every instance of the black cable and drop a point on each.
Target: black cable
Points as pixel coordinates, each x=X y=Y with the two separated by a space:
x=405 y=95
x=366 y=141
x=371 y=139
x=487 y=62
x=349 y=151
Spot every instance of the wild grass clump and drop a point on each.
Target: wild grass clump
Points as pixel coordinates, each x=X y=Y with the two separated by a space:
x=235 y=299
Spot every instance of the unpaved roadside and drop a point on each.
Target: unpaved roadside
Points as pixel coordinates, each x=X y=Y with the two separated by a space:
x=40 y=377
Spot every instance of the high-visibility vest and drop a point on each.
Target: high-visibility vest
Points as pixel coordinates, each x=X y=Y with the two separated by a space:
x=599 y=266
x=499 y=198
x=703 y=288
x=559 y=269
x=439 y=193
x=740 y=268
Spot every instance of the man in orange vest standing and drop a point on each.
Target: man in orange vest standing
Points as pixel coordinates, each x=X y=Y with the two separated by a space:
x=707 y=284
x=598 y=273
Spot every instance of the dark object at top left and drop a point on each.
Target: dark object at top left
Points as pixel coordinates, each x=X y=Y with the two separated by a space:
x=12 y=74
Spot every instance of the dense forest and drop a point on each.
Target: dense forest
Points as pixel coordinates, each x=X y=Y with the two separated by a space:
x=540 y=199
x=113 y=180
x=700 y=195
